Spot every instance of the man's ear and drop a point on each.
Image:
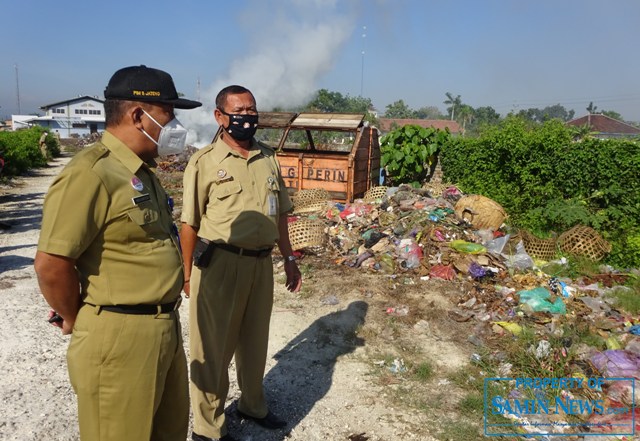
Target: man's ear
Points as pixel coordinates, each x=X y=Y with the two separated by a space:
x=217 y=114
x=135 y=113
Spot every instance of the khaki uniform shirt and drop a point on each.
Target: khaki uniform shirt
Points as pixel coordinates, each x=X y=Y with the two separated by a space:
x=108 y=211
x=232 y=199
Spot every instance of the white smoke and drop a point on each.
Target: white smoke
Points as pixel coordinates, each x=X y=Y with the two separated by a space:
x=293 y=44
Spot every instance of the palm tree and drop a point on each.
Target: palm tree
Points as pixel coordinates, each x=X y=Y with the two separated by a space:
x=465 y=114
x=453 y=103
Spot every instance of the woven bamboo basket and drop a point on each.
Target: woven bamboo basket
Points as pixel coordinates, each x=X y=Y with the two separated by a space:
x=375 y=194
x=310 y=200
x=435 y=188
x=307 y=233
x=480 y=211
x=539 y=248
x=584 y=241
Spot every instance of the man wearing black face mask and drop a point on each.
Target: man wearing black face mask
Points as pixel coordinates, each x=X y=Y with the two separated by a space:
x=235 y=205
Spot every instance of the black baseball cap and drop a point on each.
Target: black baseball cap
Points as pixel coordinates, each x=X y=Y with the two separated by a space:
x=142 y=83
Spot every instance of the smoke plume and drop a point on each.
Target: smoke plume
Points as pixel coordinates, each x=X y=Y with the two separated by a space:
x=292 y=44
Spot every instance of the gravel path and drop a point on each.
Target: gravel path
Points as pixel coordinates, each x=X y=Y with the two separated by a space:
x=317 y=377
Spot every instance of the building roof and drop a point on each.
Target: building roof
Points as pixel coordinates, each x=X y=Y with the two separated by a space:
x=72 y=100
x=604 y=124
x=387 y=124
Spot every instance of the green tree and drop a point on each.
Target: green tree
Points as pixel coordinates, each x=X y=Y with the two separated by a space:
x=591 y=108
x=465 y=115
x=485 y=116
x=453 y=103
x=409 y=153
x=557 y=111
x=398 y=110
x=327 y=102
x=428 y=112
x=613 y=114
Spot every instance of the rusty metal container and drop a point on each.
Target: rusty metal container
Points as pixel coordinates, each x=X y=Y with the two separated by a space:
x=337 y=152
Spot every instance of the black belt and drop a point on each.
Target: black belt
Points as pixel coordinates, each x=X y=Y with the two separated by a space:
x=243 y=251
x=141 y=309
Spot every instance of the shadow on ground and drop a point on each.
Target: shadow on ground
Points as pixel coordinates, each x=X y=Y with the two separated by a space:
x=304 y=372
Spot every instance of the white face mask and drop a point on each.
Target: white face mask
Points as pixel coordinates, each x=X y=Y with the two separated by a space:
x=172 y=138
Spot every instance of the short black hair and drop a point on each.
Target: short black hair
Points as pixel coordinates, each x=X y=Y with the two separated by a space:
x=221 y=99
x=114 y=111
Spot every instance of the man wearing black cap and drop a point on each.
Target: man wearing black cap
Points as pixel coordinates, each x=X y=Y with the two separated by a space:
x=109 y=264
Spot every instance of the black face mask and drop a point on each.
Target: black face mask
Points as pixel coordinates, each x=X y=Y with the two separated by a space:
x=241 y=127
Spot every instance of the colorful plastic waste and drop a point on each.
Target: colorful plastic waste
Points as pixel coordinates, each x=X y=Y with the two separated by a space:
x=445 y=272
x=617 y=363
x=513 y=328
x=635 y=330
x=467 y=247
x=477 y=271
x=538 y=300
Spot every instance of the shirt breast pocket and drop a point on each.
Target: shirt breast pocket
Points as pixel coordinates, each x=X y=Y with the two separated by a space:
x=144 y=231
x=228 y=196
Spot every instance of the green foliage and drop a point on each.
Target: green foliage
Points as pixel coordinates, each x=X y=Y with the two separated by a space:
x=326 y=101
x=409 y=152
x=53 y=146
x=21 y=151
x=556 y=111
x=626 y=251
x=423 y=371
x=628 y=299
x=398 y=109
x=547 y=182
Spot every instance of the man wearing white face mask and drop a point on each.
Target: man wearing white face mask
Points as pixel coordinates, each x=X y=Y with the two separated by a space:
x=109 y=264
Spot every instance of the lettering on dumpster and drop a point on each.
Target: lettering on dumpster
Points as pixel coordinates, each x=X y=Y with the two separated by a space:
x=315 y=174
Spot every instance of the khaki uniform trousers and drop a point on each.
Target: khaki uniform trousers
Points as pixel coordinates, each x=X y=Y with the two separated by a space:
x=130 y=375
x=229 y=313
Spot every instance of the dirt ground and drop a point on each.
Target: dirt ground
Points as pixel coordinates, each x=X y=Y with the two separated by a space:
x=337 y=353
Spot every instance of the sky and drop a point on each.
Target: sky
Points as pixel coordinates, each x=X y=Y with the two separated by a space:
x=507 y=54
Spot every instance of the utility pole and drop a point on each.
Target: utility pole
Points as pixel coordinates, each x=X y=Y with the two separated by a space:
x=364 y=35
x=18 y=90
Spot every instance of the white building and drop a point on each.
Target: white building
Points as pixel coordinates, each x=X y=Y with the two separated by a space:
x=79 y=116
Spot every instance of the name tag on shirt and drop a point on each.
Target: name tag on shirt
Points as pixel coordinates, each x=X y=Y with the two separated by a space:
x=140 y=199
x=273 y=204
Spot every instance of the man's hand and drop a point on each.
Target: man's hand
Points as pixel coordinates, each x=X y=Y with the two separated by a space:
x=294 y=278
x=188 y=238
x=56 y=320
x=60 y=287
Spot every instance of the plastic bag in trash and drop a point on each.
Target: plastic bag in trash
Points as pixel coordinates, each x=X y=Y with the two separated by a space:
x=445 y=272
x=467 y=247
x=538 y=300
x=520 y=260
x=617 y=363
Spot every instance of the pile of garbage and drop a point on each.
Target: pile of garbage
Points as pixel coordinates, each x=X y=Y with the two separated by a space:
x=424 y=234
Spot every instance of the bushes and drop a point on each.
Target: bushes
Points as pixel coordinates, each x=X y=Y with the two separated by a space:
x=409 y=153
x=547 y=182
x=21 y=151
